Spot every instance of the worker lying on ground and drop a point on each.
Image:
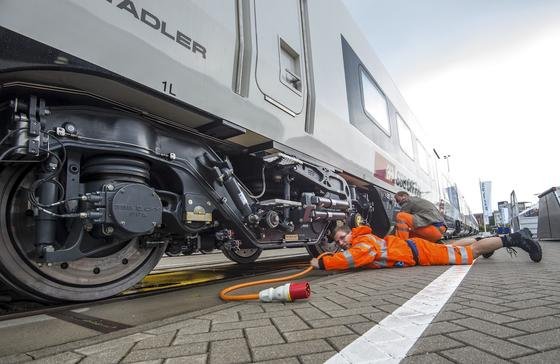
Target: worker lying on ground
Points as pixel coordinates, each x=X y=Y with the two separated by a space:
x=418 y=218
x=363 y=249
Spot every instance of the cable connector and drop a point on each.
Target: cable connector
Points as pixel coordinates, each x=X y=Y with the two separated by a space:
x=287 y=293
x=90 y=215
x=92 y=197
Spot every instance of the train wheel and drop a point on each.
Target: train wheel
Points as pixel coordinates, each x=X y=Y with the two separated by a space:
x=90 y=278
x=242 y=256
x=173 y=250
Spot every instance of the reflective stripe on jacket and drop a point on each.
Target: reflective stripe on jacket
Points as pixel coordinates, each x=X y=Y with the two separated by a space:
x=368 y=250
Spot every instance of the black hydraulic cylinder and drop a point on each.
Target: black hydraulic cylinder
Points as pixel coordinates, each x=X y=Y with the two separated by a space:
x=237 y=196
x=330 y=203
x=45 y=223
x=328 y=215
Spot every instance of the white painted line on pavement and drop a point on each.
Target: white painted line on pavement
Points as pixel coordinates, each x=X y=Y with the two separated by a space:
x=392 y=338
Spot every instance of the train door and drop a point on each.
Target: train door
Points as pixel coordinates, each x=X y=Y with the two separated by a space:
x=280 y=54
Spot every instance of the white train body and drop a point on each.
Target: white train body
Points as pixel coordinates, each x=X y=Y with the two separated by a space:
x=238 y=76
x=143 y=86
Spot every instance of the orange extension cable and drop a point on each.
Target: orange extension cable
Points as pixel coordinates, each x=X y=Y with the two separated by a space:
x=255 y=296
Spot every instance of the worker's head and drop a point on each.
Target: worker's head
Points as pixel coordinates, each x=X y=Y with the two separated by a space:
x=401 y=197
x=342 y=236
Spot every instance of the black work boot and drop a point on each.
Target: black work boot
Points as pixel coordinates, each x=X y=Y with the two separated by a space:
x=523 y=239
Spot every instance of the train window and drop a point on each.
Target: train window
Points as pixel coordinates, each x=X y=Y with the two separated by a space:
x=374 y=102
x=423 y=157
x=361 y=87
x=405 y=137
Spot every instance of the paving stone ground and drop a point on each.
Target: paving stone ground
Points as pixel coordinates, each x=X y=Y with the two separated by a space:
x=505 y=310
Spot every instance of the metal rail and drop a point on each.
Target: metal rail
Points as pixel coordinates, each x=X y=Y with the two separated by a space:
x=159 y=282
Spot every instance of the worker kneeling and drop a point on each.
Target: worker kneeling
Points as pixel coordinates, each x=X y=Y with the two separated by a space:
x=363 y=249
x=418 y=218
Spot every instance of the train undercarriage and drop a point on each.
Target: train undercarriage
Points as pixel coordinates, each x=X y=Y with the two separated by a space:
x=93 y=195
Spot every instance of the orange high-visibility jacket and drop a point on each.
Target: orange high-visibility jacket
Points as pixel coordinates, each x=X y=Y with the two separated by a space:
x=368 y=250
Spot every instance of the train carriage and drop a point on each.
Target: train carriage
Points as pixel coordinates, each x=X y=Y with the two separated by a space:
x=131 y=127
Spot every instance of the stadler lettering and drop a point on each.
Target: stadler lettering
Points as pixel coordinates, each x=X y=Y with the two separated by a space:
x=159 y=24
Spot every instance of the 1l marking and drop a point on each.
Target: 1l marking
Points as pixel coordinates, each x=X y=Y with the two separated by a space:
x=168 y=90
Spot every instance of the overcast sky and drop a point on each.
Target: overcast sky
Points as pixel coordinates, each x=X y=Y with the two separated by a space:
x=483 y=78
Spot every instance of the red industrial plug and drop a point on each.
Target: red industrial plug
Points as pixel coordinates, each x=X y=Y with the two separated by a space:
x=300 y=290
x=286 y=293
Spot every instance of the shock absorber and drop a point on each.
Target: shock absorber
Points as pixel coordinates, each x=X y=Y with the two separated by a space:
x=45 y=223
x=223 y=172
x=286 y=224
x=235 y=192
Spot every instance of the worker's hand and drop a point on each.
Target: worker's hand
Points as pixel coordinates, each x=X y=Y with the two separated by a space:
x=314 y=263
